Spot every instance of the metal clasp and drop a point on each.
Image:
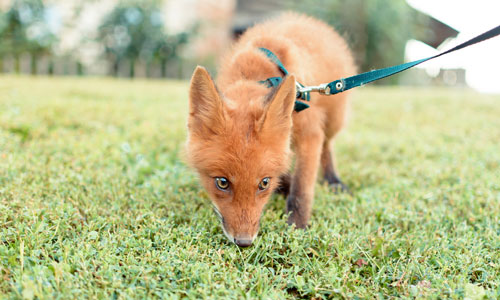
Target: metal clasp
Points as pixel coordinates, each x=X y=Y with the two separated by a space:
x=323 y=88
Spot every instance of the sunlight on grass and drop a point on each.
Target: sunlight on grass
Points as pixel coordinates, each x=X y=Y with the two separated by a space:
x=96 y=201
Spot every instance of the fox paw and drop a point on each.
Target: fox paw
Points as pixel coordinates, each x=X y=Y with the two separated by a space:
x=340 y=188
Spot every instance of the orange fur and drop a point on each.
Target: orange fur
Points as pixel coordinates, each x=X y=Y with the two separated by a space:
x=242 y=131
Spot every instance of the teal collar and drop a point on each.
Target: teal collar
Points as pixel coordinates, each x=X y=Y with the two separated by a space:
x=275 y=81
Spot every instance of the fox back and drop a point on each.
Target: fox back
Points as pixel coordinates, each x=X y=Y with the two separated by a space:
x=241 y=132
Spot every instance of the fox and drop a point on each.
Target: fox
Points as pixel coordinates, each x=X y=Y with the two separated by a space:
x=244 y=137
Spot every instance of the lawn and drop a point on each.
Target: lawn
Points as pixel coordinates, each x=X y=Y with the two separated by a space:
x=96 y=200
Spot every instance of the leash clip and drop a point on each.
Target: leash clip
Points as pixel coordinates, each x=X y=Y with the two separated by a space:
x=323 y=89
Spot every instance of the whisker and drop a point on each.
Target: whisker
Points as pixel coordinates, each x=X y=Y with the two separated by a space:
x=223 y=225
x=218 y=214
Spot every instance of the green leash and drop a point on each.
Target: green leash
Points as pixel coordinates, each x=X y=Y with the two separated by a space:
x=344 y=84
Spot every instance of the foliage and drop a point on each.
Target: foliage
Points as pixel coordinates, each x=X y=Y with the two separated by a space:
x=95 y=201
x=135 y=30
x=377 y=30
x=24 y=29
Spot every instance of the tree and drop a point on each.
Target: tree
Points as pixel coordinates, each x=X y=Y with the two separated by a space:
x=135 y=30
x=167 y=48
x=24 y=29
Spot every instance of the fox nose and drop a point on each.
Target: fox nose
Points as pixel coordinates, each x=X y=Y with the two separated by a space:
x=243 y=242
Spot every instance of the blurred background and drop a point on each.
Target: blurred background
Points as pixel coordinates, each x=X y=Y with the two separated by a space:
x=167 y=38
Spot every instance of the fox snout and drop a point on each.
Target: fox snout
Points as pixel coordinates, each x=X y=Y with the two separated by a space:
x=242 y=234
x=245 y=242
x=242 y=239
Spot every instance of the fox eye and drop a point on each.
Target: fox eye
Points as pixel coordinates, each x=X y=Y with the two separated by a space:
x=264 y=183
x=222 y=183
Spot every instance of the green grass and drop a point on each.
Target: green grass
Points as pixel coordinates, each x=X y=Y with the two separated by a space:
x=96 y=201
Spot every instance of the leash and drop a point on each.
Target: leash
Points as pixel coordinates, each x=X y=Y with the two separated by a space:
x=344 y=84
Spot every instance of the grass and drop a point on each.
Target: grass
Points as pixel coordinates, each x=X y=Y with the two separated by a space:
x=96 y=202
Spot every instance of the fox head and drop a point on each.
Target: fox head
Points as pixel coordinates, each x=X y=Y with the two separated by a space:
x=239 y=143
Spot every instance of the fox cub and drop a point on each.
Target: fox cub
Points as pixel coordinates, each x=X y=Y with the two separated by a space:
x=240 y=132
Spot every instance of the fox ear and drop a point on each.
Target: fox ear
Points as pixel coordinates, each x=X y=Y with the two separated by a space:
x=206 y=114
x=278 y=114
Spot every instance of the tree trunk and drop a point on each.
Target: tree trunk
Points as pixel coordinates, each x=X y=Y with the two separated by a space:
x=163 y=68
x=148 y=69
x=132 y=68
x=51 y=66
x=116 y=64
x=33 y=63
x=179 y=68
x=79 y=69
x=17 y=64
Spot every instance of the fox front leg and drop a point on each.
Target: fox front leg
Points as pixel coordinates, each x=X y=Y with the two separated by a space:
x=308 y=141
